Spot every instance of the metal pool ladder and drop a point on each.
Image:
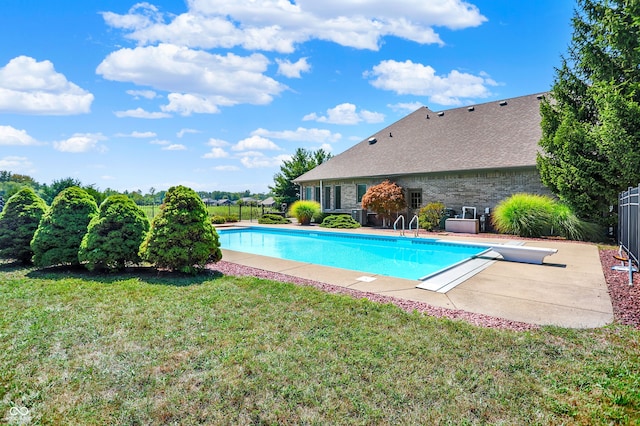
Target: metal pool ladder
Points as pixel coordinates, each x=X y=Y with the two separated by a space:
x=415 y=219
x=395 y=225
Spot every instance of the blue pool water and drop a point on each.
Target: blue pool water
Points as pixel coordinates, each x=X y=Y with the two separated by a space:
x=401 y=257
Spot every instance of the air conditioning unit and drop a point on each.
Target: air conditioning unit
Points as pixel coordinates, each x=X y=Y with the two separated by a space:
x=359 y=215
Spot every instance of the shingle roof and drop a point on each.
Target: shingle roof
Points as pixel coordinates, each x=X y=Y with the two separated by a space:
x=492 y=135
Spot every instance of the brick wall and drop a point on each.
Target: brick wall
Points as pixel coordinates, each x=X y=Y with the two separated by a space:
x=473 y=189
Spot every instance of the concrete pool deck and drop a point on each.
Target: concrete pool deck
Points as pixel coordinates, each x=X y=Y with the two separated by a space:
x=567 y=290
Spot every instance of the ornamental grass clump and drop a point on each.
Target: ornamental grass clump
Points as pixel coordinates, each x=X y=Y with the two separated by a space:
x=429 y=216
x=341 y=221
x=58 y=237
x=114 y=236
x=18 y=223
x=531 y=215
x=526 y=215
x=304 y=211
x=182 y=237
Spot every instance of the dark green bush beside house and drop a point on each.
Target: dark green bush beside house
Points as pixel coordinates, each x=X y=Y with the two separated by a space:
x=341 y=221
x=57 y=239
x=182 y=237
x=18 y=223
x=430 y=215
x=114 y=236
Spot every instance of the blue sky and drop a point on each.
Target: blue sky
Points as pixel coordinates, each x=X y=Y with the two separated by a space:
x=215 y=94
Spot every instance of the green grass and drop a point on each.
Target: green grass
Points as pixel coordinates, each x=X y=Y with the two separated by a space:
x=77 y=348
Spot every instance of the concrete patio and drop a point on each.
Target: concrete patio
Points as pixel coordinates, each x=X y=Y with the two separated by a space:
x=567 y=290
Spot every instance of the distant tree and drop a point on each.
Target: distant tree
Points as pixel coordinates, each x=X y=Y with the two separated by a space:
x=18 y=223
x=49 y=192
x=385 y=199
x=57 y=239
x=284 y=190
x=114 y=236
x=182 y=237
x=591 y=121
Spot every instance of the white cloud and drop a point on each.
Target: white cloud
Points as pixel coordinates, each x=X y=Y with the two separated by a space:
x=217 y=142
x=405 y=107
x=256 y=160
x=226 y=168
x=293 y=70
x=12 y=136
x=198 y=82
x=137 y=135
x=216 y=153
x=301 y=134
x=255 y=143
x=81 y=142
x=140 y=113
x=16 y=164
x=345 y=113
x=147 y=94
x=174 y=147
x=279 y=25
x=160 y=142
x=409 y=78
x=183 y=132
x=31 y=87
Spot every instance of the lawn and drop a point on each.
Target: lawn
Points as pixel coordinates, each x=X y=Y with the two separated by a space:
x=152 y=348
x=242 y=212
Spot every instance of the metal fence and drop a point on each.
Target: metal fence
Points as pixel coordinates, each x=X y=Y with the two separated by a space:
x=628 y=221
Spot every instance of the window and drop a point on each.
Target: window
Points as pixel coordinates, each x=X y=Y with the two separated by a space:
x=415 y=198
x=307 y=192
x=327 y=197
x=317 y=194
x=362 y=189
x=338 y=195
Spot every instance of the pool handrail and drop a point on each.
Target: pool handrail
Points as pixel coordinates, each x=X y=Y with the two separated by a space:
x=415 y=217
x=396 y=223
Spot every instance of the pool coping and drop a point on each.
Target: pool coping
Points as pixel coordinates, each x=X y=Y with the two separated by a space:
x=567 y=290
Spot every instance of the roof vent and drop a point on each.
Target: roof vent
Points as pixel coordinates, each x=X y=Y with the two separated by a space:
x=503 y=103
x=471 y=108
x=441 y=113
x=427 y=116
x=540 y=96
x=390 y=135
x=372 y=141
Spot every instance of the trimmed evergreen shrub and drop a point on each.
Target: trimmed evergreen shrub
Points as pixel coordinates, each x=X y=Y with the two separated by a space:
x=343 y=221
x=18 y=223
x=273 y=219
x=114 y=236
x=218 y=220
x=182 y=237
x=429 y=216
x=57 y=239
x=231 y=218
x=304 y=211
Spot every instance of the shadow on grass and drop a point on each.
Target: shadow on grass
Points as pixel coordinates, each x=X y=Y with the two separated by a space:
x=146 y=274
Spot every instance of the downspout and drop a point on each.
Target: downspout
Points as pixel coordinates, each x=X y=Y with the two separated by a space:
x=321 y=197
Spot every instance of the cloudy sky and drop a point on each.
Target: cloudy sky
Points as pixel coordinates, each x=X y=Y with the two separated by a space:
x=215 y=94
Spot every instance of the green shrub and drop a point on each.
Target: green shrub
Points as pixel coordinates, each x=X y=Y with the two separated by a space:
x=114 y=236
x=231 y=219
x=529 y=215
x=273 y=219
x=182 y=237
x=304 y=211
x=526 y=215
x=429 y=216
x=218 y=220
x=343 y=221
x=57 y=239
x=18 y=223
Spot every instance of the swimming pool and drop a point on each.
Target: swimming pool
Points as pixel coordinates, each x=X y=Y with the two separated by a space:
x=401 y=257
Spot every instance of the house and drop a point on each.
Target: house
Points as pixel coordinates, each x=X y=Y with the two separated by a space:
x=472 y=156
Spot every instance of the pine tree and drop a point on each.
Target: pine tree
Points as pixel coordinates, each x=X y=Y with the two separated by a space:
x=284 y=190
x=591 y=120
x=18 y=223
x=182 y=237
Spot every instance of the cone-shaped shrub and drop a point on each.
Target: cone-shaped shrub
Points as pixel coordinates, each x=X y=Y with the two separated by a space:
x=57 y=239
x=114 y=237
x=18 y=222
x=182 y=237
